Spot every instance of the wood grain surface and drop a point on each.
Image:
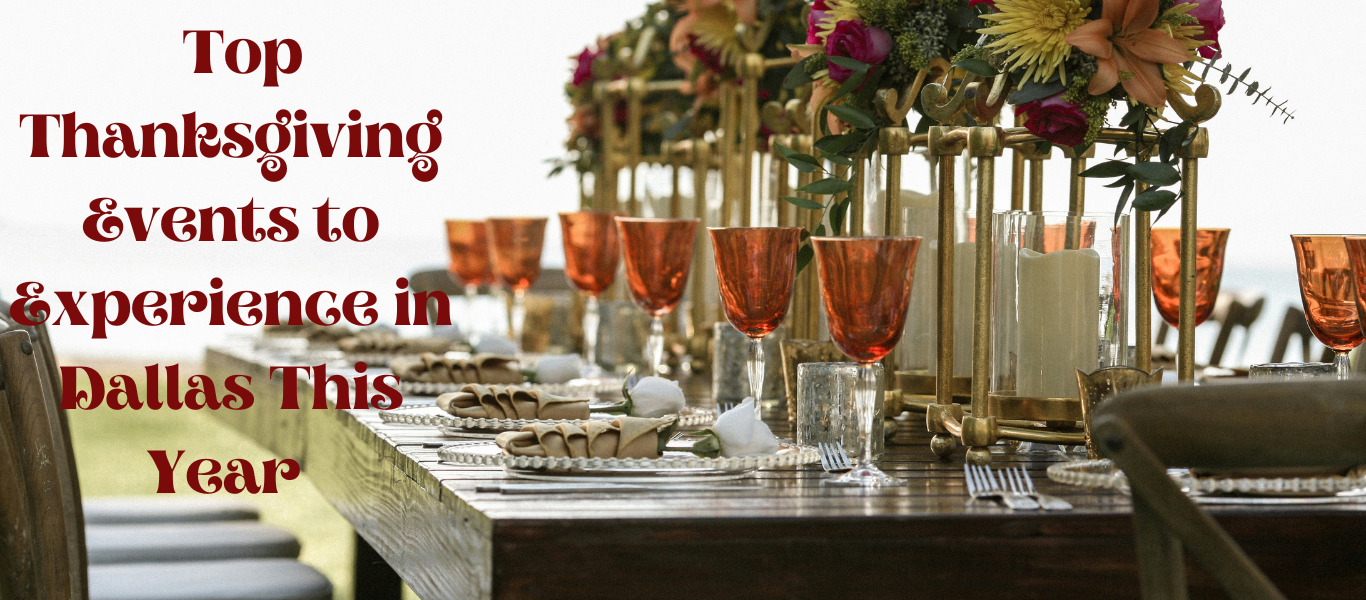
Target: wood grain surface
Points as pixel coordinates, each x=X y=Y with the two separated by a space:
x=791 y=538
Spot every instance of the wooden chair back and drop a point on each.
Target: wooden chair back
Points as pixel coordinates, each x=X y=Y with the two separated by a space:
x=43 y=541
x=1295 y=324
x=1245 y=428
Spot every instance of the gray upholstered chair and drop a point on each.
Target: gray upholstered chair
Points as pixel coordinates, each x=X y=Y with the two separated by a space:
x=44 y=549
x=1249 y=428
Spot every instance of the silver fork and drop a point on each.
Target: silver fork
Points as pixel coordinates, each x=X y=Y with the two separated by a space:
x=1021 y=482
x=833 y=459
x=983 y=485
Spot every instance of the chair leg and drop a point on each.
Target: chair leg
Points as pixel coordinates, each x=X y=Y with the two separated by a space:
x=1161 y=563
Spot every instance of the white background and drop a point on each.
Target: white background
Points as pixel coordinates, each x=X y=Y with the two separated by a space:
x=496 y=71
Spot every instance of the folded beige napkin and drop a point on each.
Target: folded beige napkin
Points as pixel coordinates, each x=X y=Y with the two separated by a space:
x=626 y=437
x=502 y=402
x=387 y=341
x=434 y=368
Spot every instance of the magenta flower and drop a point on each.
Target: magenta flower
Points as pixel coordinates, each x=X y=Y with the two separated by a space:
x=986 y=2
x=859 y=41
x=1055 y=120
x=1210 y=13
x=584 y=70
x=813 y=21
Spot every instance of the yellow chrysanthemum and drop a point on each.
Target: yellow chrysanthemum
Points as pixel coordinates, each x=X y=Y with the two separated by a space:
x=1034 y=34
x=840 y=10
x=715 y=31
x=1183 y=29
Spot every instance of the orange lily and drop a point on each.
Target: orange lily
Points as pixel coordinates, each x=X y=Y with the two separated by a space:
x=1123 y=41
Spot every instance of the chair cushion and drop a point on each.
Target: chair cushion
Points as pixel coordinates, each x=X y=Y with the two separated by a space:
x=161 y=542
x=251 y=579
x=166 y=509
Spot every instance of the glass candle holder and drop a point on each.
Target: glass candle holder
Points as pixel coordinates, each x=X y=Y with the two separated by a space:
x=917 y=352
x=826 y=411
x=1292 y=371
x=1060 y=302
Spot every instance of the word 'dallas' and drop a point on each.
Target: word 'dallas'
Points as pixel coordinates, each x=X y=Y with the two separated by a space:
x=202 y=392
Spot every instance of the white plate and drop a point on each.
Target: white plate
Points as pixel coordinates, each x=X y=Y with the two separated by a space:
x=673 y=466
x=1222 y=490
x=432 y=416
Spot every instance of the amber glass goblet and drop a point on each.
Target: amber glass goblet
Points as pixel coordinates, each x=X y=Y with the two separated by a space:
x=1209 y=271
x=1356 y=255
x=591 y=253
x=1330 y=298
x=755 y=268
x=517 y=244
x=866 y=287
x=468 y=242
x=658 y=255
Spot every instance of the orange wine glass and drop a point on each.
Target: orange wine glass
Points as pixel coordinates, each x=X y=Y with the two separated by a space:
x=591 y=253
x=866 y=287
x=468 y=242
x=658 y=255
x=517 y=244
x=1330 y=298
x=755 y=269
x=1209 y=271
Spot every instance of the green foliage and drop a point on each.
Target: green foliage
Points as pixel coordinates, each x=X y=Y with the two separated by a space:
x=1139 y=120
x=1250 y=89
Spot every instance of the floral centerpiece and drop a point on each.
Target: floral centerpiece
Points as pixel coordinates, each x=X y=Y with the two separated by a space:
x=1063 y=65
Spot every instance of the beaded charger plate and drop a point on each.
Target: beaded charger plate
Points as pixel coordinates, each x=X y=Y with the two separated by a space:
x=1324 y=489
x=673 y=466
x=570 y=389
x=432 y=416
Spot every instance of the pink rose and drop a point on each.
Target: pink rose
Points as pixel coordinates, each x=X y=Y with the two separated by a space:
x=986 y=2
x=1210 y=13
x=859 y=41
x=813 y=21
x=584 y=70
x=1055 y=120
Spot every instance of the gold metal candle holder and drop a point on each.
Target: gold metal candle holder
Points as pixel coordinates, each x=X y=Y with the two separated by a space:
x=992 y=417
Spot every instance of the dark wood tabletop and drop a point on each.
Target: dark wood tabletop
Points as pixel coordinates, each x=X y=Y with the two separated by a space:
x=791 y=538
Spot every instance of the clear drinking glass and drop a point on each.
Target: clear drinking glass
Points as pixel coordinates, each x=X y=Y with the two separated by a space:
x=755 y=267
x=658 y=256
x=866 y=288
x=1329 y=295
x=591 y=253
x=517 y=244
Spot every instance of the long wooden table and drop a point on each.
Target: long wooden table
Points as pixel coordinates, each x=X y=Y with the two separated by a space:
x=793 y=538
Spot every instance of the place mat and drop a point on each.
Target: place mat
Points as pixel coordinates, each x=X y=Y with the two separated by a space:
x=432 y=416
x=673 y=465
x=1223 y=490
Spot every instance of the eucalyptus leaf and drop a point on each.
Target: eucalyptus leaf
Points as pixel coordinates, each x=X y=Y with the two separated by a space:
x=849 y=63
x=1155 y=173
x=804 y=202
x=1121 y=182
x=853 y=116
x=1155 y=200
x=978 y=67
x=798 y=77
x=1123 y=200
x=1109 y=168
x=1033 y=90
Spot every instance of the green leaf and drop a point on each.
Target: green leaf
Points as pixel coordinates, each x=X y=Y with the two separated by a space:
x=1154 y=173
x=853 y=116
x=806 y=235
x=840 y=160
x=837 y=216
x=849 y=63
x=1033 y=90
x=837 y=144
x=804 y=256
x=802 y=162
x=1123 y=200
x=820 y=230
x=978 y=67
x=1135 y=113
x=849 y=85
x=829 y=185
x=1109 y=168
x=1121 y=182
x=804 y=203
x=798 y=77
x=1155 y=200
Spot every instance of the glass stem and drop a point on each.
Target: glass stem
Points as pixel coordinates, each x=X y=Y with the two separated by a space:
x=865 y=396
x=656 y=346
x=756 y=372
x=1343 y=364
x=471 y=292
x=591 y=317
x=518 y=317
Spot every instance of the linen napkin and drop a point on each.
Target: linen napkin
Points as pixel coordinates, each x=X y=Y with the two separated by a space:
x=741 y=434
x=656 y=397
x=625 y=437
x=434 y=368
x=502 y=402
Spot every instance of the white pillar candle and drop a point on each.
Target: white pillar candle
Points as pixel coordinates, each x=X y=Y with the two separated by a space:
x=1058 y=321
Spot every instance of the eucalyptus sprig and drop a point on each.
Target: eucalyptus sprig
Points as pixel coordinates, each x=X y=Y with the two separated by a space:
x=1250 y=89
x=838 y=149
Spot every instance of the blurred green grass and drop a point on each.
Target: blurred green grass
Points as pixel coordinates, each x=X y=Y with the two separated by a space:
x=111 y=460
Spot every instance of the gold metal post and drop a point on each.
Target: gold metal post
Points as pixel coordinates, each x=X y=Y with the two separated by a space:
x=984 y=144
x=1036 y=181
x=856 y=197
x=1076 y=196
x=1017 y=173
x=677 y=155
x=701 y=165
x=1143 y=290
x=946 y=143
x=635 y=93
x=1190 y=174
x=752 y=69
x=893 y=143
